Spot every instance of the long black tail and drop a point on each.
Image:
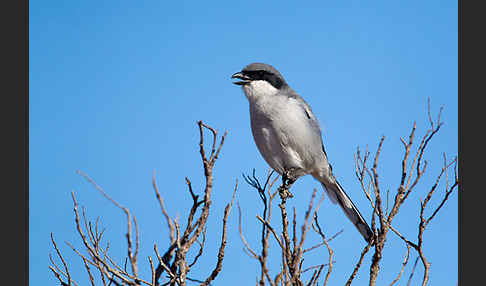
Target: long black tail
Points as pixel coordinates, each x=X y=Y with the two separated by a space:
x=337 y=195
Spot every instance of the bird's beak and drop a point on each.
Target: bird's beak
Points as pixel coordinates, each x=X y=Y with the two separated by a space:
x=244 y=79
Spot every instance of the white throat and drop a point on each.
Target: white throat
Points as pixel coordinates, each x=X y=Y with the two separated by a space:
x=258 y=89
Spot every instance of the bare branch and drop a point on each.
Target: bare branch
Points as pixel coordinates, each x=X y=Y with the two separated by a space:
x=318 y=229
x=242 y=237
x=222 y=246
x=358 y=265
x=201 y=248
x=405 y=261
x=162 y=208
x=68 y=275
x=272 y=231
x=412 y=272
x=91 y=278
x=131 y=254
x=412 y=172
x=163 y=264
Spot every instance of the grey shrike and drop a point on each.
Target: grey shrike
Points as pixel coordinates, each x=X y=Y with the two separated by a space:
x=288 y=135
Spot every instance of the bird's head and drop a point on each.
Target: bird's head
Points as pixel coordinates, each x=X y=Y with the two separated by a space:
x=258 y=79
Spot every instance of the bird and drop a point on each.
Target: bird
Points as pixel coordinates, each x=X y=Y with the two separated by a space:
x=288 y=135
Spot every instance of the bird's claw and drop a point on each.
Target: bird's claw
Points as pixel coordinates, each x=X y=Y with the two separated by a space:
x=288 y=178
x=284 y=192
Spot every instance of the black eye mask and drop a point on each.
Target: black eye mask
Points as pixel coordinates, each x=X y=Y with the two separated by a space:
x=274 y=80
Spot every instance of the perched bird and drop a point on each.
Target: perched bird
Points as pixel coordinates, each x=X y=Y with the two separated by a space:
x=288 y=135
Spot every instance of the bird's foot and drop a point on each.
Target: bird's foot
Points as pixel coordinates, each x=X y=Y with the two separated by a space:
x=284 y=192
x=288 y=179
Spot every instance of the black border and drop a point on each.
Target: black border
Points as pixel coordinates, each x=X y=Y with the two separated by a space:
x=472 y=205
x=15 y=136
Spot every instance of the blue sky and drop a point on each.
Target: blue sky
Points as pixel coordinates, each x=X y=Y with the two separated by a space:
x=116 y=89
